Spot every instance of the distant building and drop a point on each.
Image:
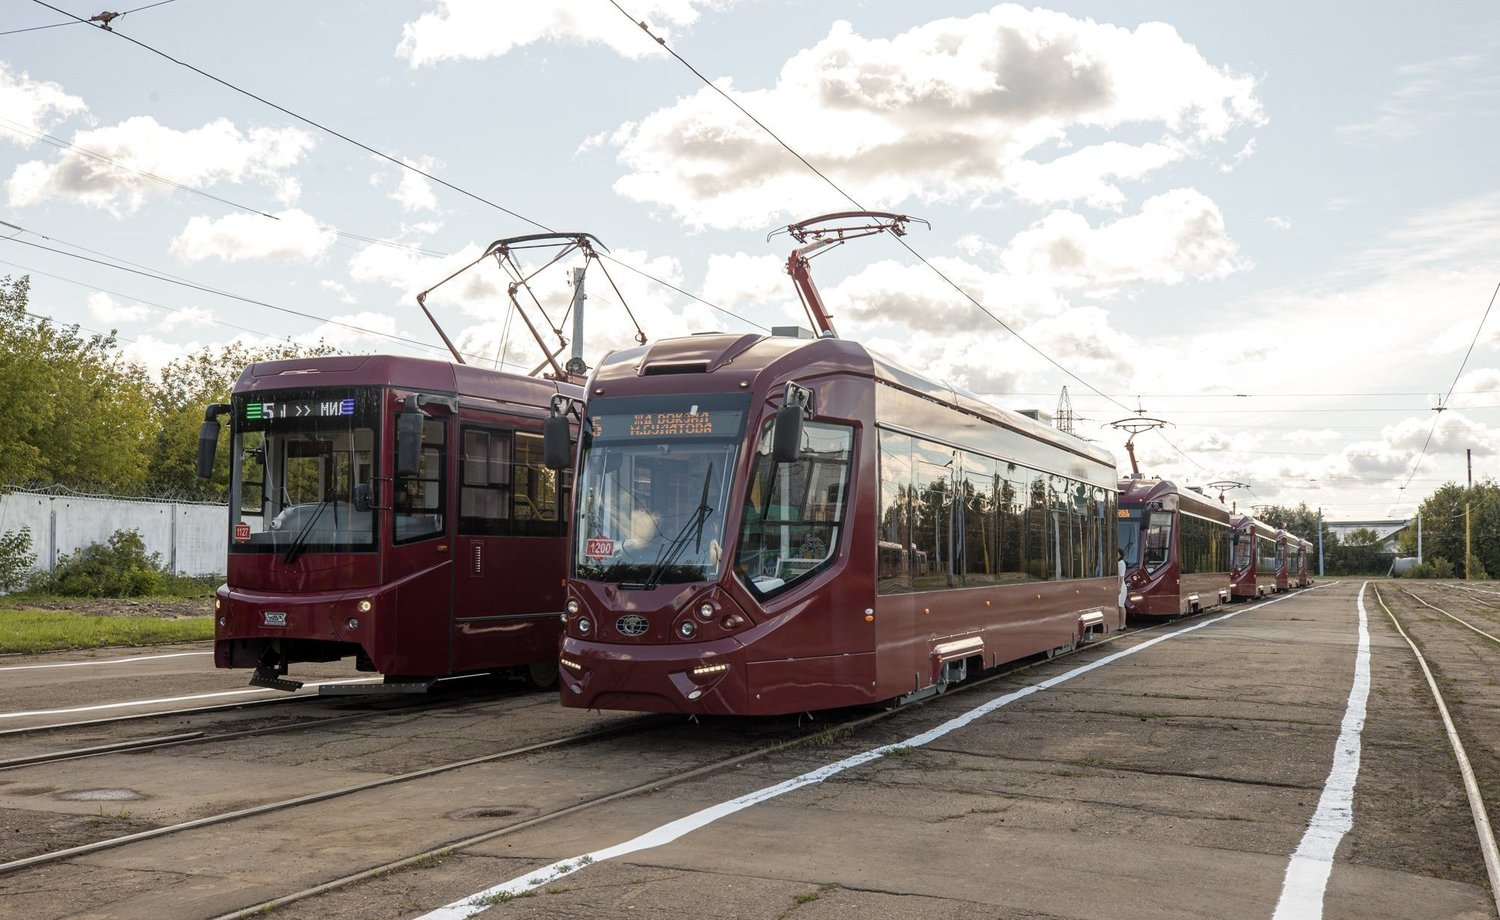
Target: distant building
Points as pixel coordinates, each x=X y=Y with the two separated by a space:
x=1388 y=531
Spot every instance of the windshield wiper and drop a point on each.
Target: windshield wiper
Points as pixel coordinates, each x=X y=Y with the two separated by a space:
x=300 y=541
x=673 y=550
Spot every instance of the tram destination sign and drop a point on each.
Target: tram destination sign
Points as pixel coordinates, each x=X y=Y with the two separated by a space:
x=331 y=407
x=660 y=421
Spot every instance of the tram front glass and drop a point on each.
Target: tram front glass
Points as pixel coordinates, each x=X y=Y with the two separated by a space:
x=653 y=488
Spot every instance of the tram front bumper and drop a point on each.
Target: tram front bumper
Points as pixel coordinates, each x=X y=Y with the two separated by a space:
x=701 y=678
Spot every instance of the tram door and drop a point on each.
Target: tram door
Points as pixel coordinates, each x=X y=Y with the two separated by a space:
x=419 y=554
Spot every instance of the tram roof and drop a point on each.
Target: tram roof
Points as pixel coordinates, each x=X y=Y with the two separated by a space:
x=749 y=355
x=400 y=371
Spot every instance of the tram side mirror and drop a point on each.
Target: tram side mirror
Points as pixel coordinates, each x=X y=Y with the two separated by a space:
x=208 y=439
x=786 y=438
x=362 y=497
x=409 y=439
x=555 y=452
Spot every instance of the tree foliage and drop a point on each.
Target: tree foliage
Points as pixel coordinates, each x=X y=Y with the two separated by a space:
x=75 y=412
x=1442 y=515
x=74 y=409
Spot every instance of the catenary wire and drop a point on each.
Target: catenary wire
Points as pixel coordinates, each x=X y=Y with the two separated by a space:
x=75 y=21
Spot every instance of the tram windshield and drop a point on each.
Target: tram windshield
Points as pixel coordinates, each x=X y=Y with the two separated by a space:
x=1129 y=530
x=302 y=470
x=653 y=488
x=1158 y=539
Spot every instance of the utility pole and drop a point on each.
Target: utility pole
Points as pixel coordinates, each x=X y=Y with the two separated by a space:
x=1320 y=541
x=1470 y=454
x=1468 y=552
x=575 y=365
x=1419 y=538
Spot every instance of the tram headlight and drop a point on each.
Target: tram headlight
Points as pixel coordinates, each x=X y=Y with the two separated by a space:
x=353 y=622
x=584 y=625
x=223 y=621
x=706 y=612
x=1137 y=598
x=218 y=603
x=572 y=605
x=364 y=606
x=733 y=621
x=687 y=629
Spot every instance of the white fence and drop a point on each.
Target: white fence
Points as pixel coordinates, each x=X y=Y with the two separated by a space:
x=192 y=538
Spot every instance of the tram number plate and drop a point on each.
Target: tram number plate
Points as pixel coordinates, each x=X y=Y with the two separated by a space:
x=599 y=548
x=241 y=532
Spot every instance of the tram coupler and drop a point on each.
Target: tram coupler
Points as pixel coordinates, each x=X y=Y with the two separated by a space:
x=271 y=679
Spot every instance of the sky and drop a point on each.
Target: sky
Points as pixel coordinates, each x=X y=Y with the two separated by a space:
x=1271 y=226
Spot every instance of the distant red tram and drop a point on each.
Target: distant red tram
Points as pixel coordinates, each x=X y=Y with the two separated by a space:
x=768 y=525
x=394 y=510
x=1259 y=554
x=1176 y=546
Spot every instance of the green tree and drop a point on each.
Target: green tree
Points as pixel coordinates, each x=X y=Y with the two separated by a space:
x=1361 y=536
x=1442 y=515
x=188 y=385
x=75 y=411
x=1300 y=521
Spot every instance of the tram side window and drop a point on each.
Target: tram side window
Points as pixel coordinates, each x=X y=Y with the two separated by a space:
x=933 y=515
x=484 y=499
x=979 y=549
x=794 y=512
x=418 y=504
x=1040 y=530
x=1158 y=540
x=536 y=491
x=253 y=474
x=1010 y=497
x=893 y=549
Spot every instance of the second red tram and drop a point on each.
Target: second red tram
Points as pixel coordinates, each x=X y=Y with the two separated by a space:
x=1259 y=559
x=394 y=510
x=1175 y=544
x=768 y=525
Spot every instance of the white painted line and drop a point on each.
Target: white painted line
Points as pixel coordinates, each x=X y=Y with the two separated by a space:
x=175 y=699
x=1308 y=870
x=83 y=664
x=1471 y=786
x=482 y=901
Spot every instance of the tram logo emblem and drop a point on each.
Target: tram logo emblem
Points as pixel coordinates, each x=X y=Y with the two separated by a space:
x=632 y=624
x=272 y=618
x=599 y=548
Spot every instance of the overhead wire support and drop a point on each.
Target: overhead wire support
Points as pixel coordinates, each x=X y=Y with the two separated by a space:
x=819 y=233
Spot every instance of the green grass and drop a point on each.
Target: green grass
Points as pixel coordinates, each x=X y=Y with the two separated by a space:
x=30 y=631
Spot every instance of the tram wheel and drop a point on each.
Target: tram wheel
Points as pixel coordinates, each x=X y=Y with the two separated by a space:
x=541 y=675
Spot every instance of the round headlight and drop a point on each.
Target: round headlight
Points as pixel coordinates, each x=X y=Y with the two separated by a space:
x=687 y=629
x=706 y=612
x=353 y=623
x=218 y=602
x=223 y=621
x=364 y=606
x=584 y=625
x=572 y=606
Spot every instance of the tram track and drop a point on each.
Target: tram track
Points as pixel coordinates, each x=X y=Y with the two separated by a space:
x=975 y=684
x=1484 y=830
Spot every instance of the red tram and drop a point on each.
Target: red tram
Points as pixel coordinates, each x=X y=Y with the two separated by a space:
x=1301 y=572
x=1259 y=559
x=731 y=557
x=392 y=509
x=1176 y=549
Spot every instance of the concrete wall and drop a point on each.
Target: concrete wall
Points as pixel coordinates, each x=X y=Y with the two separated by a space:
x=193 y=539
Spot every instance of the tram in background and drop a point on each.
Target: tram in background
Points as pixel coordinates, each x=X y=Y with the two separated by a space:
x=767 y=525
x=1259 y=566
x=395 y=510
x=1301 y=573
x=1176 y=549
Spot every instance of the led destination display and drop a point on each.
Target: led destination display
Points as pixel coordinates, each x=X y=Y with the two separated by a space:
x=701 y=416
x=331 y=407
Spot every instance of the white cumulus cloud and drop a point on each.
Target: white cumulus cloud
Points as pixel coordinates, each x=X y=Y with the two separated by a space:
x=30 y=107
x=295 y=236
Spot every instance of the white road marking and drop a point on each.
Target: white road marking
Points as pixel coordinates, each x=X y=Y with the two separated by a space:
x=1308 y=870
x=482 y=901
x=174 y=699
x=81 y=664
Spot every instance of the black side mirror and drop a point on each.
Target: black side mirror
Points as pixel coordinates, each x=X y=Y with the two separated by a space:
x=409 y=439
x=555 y=447
x=362 y=497
x=786 y=438
x=208 y=439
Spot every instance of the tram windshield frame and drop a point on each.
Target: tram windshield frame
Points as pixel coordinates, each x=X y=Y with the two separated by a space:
x=303 y=468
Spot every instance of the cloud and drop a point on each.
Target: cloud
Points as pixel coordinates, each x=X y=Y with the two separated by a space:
x=412 y=191
x=295 y=236
x=190 y=317
x=954 y=110
x=1461 y=86
x=30 y=107
x=106 y=309
x=215 y=153
x=478 y=29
